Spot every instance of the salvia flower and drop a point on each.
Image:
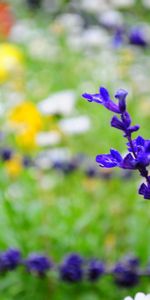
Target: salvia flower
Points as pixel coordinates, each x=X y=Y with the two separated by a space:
x=138 y=155
x=103 y=98
x=71 y=270
x=38 y=264
x=9 y=260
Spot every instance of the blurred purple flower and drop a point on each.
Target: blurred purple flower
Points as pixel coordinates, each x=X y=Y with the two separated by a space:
x=10 y=259
x=126 y=272
x=137 y=37
x=6 y=154
x=71 y=270
x=38 y=264
x=95 y=270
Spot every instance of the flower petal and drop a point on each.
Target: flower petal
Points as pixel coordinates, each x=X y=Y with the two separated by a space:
x=121 y=96
x=139 y=296
x=128 y=162
x=115 y=122
x=104 y=94
x=116 y=155
x=106 y=161
x=92 y=97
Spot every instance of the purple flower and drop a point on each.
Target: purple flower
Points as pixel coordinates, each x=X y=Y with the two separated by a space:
x=65 y=166
x=95 y=270
x=145 y=190
x=10 y=259
x=38 y=264
x=6 y=154
x=126 y=272
x=114 y=159
x=103 y=98
x=71 y=270
x=138 y=157
x=91 y=171
x=121 y=96
x=124 y=124
x=131 y=163
x=140 y=145
x=137 y=37
x=27 y=162
x=118 y=38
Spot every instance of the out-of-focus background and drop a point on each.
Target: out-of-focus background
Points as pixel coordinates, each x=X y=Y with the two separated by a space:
x=53 y=197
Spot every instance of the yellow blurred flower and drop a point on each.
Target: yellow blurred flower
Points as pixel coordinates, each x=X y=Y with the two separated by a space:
x=11 y=60
x=27 y=138
x=27 y=121
x=26 y=115
x=110 y=241
x=127 y=56
x=14 y=166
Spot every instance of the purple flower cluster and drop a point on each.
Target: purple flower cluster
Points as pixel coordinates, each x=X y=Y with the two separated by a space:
x=74 y=268
x=126 y=272
x=67 y=166
x=95 y=269
x=135 y=36
x=9 y=260
x=138 y=37
x=38 y=264
x=138 y=156
x=71 y=270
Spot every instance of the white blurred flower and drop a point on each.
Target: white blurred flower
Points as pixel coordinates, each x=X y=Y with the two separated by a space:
x=58 y=103
x=42 y=48
x=70 y=22
x=23 y=32
x=123 y=3
x=75 y=41
x=94 y=6
x=51 y=5
x=46 y=159
x=111 y=18
x=48 y=138
x=75 y=125
x=138 y=296
x=94 y=37
x=61 y=154
x=146 y=3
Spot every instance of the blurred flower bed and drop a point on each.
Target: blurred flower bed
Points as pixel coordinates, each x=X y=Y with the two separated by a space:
x=54 y=198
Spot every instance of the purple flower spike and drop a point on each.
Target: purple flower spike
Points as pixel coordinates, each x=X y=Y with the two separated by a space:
x=138 y=156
